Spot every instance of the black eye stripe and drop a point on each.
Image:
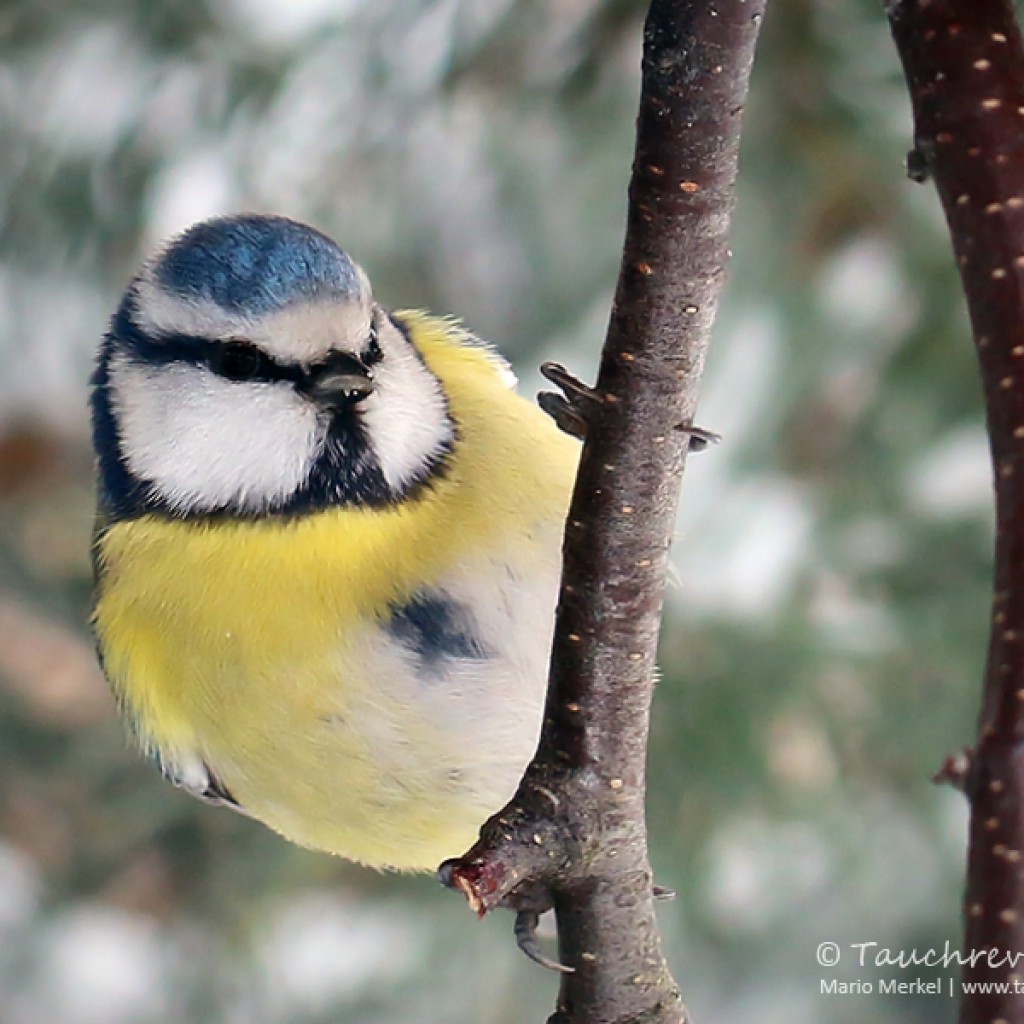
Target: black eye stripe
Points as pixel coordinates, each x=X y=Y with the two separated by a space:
x=187 y=348
x=220 y=356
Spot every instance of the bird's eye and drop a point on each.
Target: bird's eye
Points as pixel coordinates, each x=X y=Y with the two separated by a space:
x=236 y=360
x=373 y=353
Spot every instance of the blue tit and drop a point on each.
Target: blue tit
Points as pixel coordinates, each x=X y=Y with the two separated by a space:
x=328 y=545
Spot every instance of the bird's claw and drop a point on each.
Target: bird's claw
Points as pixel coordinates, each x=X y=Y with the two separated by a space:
x=527 y=920
x=572 y=387
x=564 y=414
x=525 y=930
x=699 y=437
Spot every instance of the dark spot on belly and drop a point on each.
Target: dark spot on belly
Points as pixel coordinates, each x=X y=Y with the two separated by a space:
x=435 y=626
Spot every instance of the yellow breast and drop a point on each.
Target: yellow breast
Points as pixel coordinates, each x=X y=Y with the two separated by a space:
x=239 y=640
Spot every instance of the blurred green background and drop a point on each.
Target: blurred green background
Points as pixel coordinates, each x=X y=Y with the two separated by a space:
x=823 y=648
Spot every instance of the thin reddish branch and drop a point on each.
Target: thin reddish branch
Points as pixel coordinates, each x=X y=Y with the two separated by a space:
x=964 y=64
x=574 y=835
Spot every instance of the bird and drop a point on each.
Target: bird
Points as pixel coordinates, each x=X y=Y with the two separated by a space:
x=327 y=547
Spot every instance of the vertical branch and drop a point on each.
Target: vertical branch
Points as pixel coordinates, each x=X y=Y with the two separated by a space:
x=964 y=65
x=574 y=836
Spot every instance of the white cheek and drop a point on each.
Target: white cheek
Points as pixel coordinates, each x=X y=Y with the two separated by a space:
x=204 y=442
x=406 y=417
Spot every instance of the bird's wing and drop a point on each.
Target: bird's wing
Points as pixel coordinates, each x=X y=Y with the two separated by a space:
x=190 y=774
x=196 y=778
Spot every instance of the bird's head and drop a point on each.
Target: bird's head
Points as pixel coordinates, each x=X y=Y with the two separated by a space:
x=248 y=371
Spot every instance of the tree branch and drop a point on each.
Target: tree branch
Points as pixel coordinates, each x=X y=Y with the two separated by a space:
x=964 y=65
x=574 y=835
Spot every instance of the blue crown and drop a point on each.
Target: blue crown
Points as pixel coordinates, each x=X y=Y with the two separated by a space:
x=256 y=264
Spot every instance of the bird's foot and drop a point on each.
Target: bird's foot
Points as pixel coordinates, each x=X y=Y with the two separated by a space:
x=699 y=437
x=530 y=910
x=528 y=901
x=573 y=408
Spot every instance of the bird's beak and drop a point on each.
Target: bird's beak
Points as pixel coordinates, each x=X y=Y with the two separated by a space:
x=339 y=381
x=334 y=390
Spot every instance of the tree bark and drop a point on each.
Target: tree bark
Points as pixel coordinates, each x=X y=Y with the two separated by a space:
x=964 y=65
x=574 y=835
